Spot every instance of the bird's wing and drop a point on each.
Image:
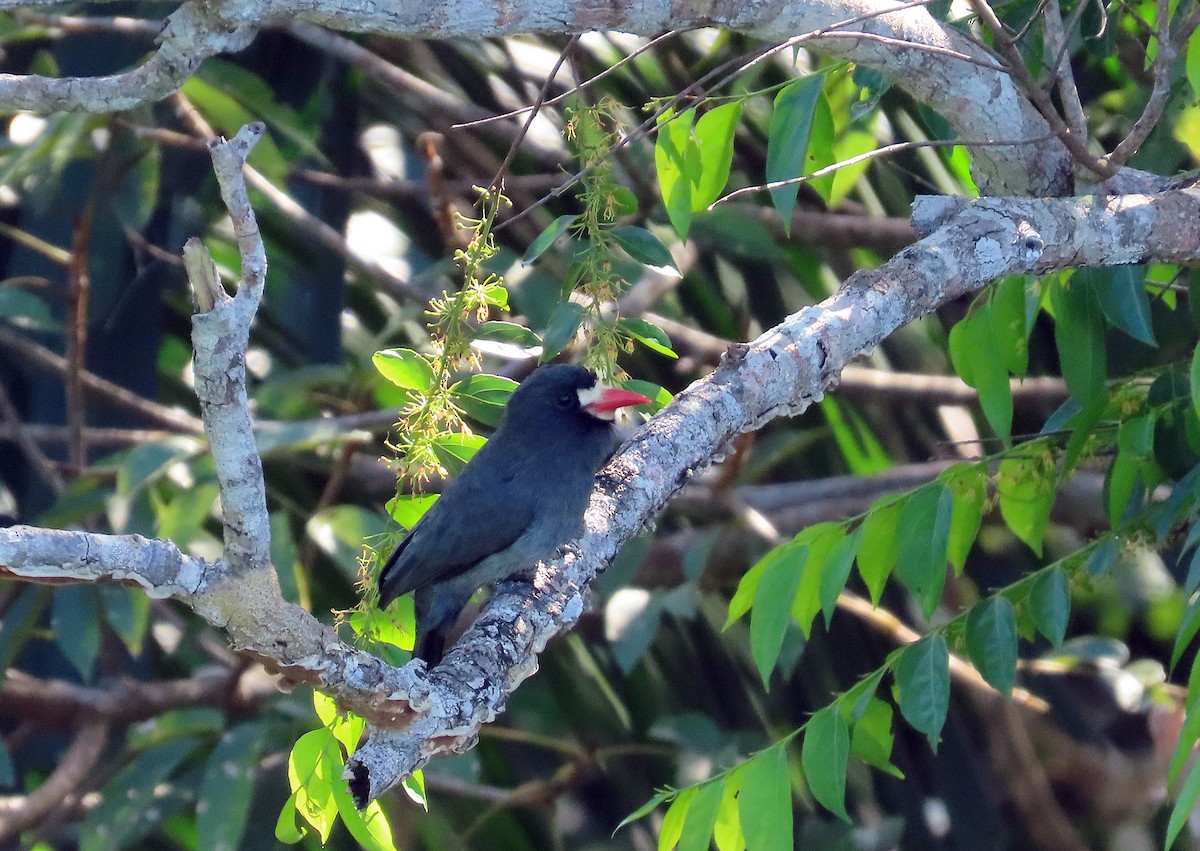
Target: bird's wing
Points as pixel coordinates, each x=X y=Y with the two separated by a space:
x=476 y=517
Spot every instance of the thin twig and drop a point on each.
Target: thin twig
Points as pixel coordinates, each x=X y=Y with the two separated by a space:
x=1076 y=145
x=575 y=89
x=1160 y=90
x=1057 y=41
x=369 y=271
x=28 y=443
x=744 y=63
x=498 y=180
x=886 y=150
x=79 y=285
x=45 y=359
x=21 y=812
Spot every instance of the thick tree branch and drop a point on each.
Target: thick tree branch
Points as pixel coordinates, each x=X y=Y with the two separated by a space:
x=942 y=68
x=781 y=373
x=419 y=713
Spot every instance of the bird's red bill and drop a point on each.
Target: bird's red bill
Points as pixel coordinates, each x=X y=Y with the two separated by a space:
x=613 y=398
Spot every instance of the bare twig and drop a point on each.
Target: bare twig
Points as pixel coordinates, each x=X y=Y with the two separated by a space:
x=22 y=812
x=886 y=150
x=1057 y=42
x=44 y=359
x=79 y=284
x=1160 y=90
x=370 y=271
x=28 y=443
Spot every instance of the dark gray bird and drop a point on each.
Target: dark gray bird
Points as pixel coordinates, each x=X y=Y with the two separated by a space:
x=521 y=496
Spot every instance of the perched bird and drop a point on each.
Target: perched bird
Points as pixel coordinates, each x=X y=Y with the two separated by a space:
x=521 y=496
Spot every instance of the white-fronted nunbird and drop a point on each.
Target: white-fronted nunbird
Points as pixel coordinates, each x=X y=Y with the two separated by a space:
x=521 y=497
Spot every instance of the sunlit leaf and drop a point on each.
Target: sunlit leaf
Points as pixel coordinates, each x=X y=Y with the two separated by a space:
x=404 y=368
x=765 y=802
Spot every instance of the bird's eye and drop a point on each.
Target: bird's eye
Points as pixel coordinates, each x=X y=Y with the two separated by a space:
x=565 y=400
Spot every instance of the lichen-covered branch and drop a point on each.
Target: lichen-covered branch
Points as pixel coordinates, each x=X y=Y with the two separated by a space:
x=936 y=64
x=781 y=373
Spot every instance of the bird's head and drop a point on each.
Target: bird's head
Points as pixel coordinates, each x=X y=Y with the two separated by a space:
x=564 y=392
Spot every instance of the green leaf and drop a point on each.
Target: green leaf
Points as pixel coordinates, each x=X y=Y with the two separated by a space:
x=743 y=597
x=992 y=642
x=75 y=619
x=714 y=136
x=861 y=449
x=547 y=238
x=645 y=247
x=1119 y=484
x=346 y=727
x=773 y=605
x=1121 y=293
x=455 y=449
x=483 y=397
x=727 y=830
x=1184 y=804
x=1050 y=604
x=820 y=540
x=1187 y=631
x=824 y=756
x=1195 y=381
x=1026 y=489
x=872 y=739
x=510 y=333
x=258 y=96
x=787 y=140
x=922 y=537
x=701 y=817
x=648 y=334
x=286 y=829
x=765 y=802
x=659 y=397
x=1079 y=336
x=414 y=787
x=968 y=484
x=132 y=804
x=228 y=789
x=877 y=551
x=677 y=163
x=675 y=818
x=227 y=113
x=646 y=808
x=407 y=510
x=314 y=765
x=1188 y=734
x=1009 y=323
x=25 y=310
x=837 y=571
x=404 y=368
x=1192 y=66
x=369 y=827
x=559 y=333
x=923 y=681
x=979 y=359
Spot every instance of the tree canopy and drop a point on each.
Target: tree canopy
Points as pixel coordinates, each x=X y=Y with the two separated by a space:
x=902 y=554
